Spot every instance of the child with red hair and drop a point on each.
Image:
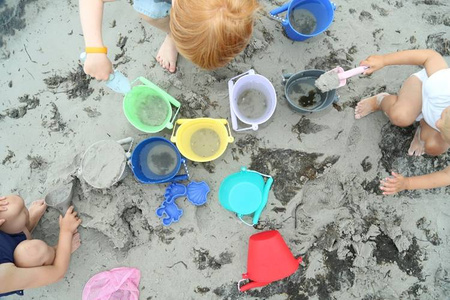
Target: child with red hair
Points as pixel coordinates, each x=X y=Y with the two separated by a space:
x=210 y=33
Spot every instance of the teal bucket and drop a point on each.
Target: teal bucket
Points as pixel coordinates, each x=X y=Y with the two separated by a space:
x=245 y=193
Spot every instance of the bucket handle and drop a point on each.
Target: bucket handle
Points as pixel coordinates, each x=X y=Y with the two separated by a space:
x=182 y=177
x=173 y=137
x=225 y=122
x=240 y=218
x=231 y=84
x=273 y=13
x=171 y=99
x=128 y=140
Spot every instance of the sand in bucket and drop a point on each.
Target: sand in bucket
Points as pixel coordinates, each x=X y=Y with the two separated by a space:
x=304 y=92
x=303 y=21
x=152 y=110
x=60 y=198
x=103 y=164
x=205 y=142
x=252 y=104
x=161 y=159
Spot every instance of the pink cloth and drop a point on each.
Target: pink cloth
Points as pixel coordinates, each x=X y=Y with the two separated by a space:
x=116 y=284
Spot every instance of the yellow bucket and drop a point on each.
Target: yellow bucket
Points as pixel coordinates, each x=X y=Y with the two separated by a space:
x=202 y=139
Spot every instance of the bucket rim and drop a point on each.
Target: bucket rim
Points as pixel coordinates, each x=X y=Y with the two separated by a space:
x=329 y=95
x=122 y=167
x=330 y=7
x=147 y=128
x=134 y=159
x=269 y=113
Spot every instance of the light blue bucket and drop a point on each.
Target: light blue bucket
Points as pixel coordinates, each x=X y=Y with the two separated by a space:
x=245 y=193
x=305 y=18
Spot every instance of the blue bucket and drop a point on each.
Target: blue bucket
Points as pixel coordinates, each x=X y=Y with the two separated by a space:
x=157 y=160
x=305 y=18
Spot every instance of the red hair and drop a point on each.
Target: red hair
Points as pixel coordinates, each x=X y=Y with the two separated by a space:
x=211 y=33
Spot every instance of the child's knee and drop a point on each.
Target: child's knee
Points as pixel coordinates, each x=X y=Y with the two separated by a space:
x=434 y=148
x=33 y=253
x=16 y=216
x=400 y=118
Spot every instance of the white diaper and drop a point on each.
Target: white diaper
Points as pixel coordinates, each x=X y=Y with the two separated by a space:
x=435 y=95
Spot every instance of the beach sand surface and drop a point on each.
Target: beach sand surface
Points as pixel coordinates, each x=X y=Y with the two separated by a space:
x=325 y=200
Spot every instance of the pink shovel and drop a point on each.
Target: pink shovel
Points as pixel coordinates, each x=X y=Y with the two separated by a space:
x=336 y=78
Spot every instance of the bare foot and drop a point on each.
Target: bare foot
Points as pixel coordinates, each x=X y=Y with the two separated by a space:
x=36 y=210
x=417 y=146
x=167 y=55
x=369 y=105
x=76 y=242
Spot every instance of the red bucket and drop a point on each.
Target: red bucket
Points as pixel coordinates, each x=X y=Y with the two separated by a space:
x=269 y=259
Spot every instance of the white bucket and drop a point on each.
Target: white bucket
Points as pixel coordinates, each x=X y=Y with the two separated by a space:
x=105 y=163
x=247 y=82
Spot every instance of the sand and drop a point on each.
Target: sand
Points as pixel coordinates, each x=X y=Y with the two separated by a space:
x=326 y=166
x=327 y=81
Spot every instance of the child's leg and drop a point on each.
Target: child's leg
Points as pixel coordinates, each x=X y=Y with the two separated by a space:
x=36 y=253
x=156 y=14
x=434 y=144
x=402 y=110
x=33 y=253
x=36 y=211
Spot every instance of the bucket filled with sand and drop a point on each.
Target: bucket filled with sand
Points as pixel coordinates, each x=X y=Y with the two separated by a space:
x=105 y=163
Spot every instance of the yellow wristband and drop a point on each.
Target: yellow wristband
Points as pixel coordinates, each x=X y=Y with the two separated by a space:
x=96 y=50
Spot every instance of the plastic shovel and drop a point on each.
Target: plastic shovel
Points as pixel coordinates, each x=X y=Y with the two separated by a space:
x=337 y=78
x=343 y=75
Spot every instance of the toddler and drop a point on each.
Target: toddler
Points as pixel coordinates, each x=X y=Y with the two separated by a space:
x=210 y=33
x=424 y=97
x=27 y=263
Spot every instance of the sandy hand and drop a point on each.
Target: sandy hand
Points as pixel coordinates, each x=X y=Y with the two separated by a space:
x=168 y=54
x=98 y=66
x=394 y=184
x=70 y=222
x=374 y=62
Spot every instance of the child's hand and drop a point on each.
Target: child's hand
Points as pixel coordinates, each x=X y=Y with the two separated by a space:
x=395 y=184
x=98 y=66
x=374 y=62
x=70 y=222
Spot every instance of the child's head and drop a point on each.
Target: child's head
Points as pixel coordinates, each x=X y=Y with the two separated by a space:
x=16 y=217
x=211 y=33
x=443 y=124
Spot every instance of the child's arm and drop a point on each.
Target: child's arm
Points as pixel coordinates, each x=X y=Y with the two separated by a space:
x=399 y=183
x=13 y=278
x=430 y=59
x=91 y=15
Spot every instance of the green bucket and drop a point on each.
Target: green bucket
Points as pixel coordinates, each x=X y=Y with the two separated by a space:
x=149 y=108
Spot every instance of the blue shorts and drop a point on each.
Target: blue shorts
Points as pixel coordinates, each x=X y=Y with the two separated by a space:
x=155 y=9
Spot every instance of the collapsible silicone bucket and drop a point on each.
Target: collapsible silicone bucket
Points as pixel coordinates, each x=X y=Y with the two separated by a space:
x=161 y=171
x=269 y=259
x=250 y=81
x=321 y=10
x=182 y=136
x=292 y=82
x=60 y=198
x=135 y=100
x=245 y=193
x=112 y=171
